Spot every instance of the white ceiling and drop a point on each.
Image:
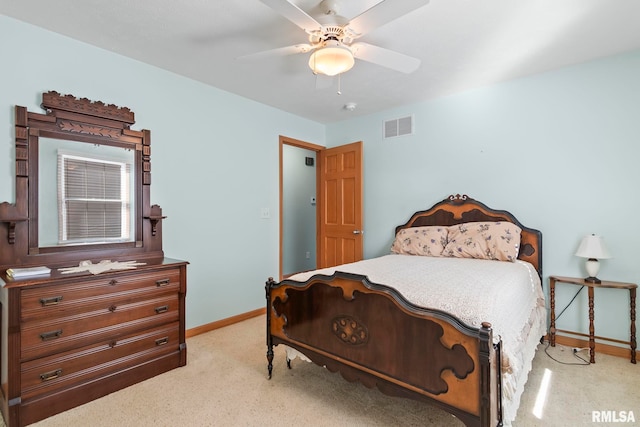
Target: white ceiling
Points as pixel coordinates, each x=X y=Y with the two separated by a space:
x=462 y=44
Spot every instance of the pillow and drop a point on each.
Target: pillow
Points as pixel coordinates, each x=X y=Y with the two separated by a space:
x=484 y=240
x=428 y=241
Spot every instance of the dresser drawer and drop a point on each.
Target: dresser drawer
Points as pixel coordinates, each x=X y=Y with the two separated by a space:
x=87 y=363
x=81 y=293
x=43 y=337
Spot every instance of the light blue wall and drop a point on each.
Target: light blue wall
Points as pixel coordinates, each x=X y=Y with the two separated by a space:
x=559 y=150
x=214 y=158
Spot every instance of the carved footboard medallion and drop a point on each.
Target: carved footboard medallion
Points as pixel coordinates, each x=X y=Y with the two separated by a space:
x=349 y=330
x=376 y=336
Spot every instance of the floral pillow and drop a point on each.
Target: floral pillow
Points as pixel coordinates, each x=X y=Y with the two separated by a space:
x=484 y=240
x=428 y=241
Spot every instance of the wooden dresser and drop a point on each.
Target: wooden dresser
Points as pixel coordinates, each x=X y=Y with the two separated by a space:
x=68 y=339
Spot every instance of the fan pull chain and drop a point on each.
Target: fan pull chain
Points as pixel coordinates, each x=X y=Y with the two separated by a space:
x=339 y=84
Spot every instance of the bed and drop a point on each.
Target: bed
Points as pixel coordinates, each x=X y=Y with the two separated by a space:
x=451 y=316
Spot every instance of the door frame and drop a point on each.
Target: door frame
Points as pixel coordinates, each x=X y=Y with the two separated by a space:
x=285 y=140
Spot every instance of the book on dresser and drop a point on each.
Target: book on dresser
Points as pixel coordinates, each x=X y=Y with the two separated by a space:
x=18 y=273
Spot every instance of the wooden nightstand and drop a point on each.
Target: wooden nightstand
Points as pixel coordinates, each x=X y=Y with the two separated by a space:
x=605 y=284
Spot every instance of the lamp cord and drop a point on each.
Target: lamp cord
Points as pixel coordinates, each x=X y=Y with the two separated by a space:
x=586 y=362
x=567 y=306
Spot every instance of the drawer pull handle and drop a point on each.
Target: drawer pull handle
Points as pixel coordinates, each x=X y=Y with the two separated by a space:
x=47 y=376
x=46 y=336
x=162 y=309
x=50 y=301
x=162 y=282
x=113 y=282
x=162 y=341
x=112 y=308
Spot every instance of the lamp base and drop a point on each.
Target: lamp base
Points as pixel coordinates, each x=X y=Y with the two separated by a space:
x=593 y=266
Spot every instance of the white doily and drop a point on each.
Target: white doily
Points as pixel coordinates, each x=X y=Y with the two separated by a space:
x=101 y=267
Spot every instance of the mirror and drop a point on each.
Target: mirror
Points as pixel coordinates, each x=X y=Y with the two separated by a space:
x=76 y=166
x=71 y=210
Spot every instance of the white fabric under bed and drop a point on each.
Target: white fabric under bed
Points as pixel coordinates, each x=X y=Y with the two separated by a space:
x=506 y=294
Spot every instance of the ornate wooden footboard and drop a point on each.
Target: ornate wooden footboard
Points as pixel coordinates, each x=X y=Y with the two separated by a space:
x=371 y=334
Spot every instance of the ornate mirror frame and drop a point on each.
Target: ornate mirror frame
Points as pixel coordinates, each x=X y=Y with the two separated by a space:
x=82 y=120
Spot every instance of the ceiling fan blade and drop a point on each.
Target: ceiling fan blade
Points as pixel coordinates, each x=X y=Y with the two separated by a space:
x=294 y=14
x=383 y=13
x=281 y=51
x=385 y=57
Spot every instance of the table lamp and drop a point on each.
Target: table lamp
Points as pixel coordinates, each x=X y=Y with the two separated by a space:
x=592 y=247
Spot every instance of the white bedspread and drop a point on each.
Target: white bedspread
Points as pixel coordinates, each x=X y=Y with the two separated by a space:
x=506 y=294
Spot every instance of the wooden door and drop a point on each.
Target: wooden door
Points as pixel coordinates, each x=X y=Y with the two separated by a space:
x=340 y=237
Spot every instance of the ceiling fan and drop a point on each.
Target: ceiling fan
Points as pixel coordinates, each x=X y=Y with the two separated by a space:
x=332 y=36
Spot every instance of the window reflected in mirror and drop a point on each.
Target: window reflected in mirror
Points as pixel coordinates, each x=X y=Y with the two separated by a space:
x=85 y=193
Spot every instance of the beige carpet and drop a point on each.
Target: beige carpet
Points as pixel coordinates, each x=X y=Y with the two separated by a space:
x=225 y=384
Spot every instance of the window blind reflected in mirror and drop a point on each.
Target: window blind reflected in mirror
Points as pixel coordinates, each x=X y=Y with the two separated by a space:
x=94 y=200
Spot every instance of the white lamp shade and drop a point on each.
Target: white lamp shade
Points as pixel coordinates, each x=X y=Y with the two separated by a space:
x=593 y=246
x=332 y=59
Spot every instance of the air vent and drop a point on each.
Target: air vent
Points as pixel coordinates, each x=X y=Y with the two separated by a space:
x=398 y=127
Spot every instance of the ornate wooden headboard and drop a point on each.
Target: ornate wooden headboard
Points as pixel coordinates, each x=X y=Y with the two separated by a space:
x=458 y=209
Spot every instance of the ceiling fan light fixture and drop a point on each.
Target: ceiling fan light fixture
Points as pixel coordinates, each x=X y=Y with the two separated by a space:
x=331 y=59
